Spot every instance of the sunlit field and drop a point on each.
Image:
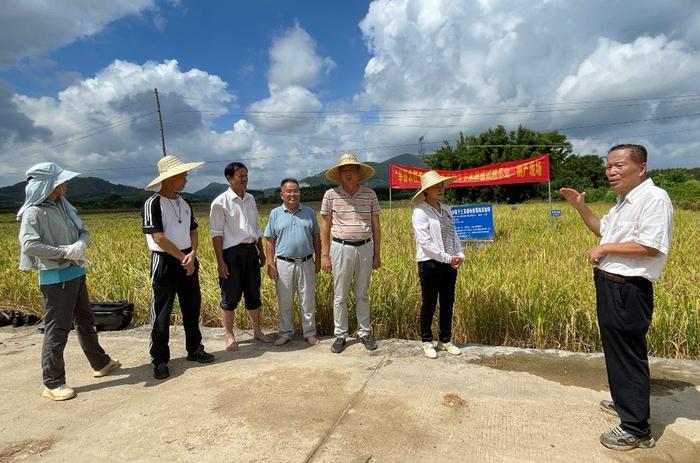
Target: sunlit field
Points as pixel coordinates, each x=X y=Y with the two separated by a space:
x=532 y=287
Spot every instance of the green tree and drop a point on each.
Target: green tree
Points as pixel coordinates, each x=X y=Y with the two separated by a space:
x=666 y=178
x=498 y=145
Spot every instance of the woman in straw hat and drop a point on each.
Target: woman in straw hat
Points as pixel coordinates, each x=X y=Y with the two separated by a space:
x=53 y=241
x=439 y=254
x=171 y=235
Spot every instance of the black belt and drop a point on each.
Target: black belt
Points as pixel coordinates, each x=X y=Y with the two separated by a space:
x=244 y=245
x=352 y=242
x=615 y=277
x=296 y=260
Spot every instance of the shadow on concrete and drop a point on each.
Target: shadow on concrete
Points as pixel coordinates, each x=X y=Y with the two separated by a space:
x=672 y=389
x=143 y=374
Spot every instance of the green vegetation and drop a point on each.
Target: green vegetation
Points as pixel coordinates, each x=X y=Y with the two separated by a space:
x=532 y=287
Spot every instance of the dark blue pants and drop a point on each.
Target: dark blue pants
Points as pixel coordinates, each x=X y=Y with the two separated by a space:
x=624 y=316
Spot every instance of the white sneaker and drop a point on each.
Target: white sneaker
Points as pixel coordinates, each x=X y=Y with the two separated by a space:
x=429 y=350
x=62 y=392
x=449 y=347
x=112 y=365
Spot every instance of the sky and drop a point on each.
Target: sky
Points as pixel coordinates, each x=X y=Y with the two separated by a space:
x=287 y=86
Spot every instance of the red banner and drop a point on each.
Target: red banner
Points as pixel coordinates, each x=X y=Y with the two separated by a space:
x=532 y=170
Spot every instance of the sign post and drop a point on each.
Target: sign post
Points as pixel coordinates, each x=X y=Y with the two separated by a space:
x=474 y=222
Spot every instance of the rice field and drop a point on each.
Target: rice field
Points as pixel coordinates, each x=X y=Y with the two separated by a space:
x=532 y=287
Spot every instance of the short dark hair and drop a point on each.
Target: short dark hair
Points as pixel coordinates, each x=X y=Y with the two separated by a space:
x=233 y=167
x=289 y=179
x=637 y=153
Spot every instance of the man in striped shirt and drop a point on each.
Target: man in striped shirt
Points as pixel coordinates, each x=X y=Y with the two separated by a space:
x=350 y=245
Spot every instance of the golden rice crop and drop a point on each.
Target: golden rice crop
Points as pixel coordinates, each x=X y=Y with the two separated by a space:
x=532 y=287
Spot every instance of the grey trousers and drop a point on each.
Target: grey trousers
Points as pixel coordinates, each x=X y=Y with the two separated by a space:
x=65 y=303
x=293 y=278
x=352 y=266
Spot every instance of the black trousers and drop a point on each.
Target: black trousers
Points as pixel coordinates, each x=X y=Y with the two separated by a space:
x=168 y=279
x=624 y=316
x=437 y=280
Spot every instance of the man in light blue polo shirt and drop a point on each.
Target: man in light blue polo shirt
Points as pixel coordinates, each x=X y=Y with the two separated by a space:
x=293 y=251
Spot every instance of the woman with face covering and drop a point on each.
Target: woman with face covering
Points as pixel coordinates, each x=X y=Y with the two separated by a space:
x=53 y=241
x=439 y=254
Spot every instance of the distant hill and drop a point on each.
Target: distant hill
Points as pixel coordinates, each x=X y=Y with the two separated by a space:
x=96 y=193
x=381 y=176
x=80 y=190
x=211 y=191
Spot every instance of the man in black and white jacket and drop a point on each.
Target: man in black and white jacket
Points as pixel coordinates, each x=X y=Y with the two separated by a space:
x=171 y=235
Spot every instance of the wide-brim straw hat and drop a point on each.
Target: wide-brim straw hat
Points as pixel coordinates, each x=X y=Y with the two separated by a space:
x=349 y=159
x=427 y=180
x=170 y=166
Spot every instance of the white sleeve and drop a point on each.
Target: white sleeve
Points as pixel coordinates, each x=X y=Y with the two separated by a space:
x=216 y=219
x=421 y=229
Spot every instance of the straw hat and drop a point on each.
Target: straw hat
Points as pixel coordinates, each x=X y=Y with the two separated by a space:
x=170 y=166
x=427 y=180
x=349 y=159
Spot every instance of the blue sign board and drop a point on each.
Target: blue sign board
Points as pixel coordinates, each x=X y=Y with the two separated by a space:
x=555 y=213
x=474 y=221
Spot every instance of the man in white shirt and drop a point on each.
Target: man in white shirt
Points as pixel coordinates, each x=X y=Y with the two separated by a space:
x=635 y=241
x=171 y=235
x=235 y=233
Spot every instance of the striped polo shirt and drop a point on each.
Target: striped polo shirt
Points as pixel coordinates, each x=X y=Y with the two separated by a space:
x=351 y=216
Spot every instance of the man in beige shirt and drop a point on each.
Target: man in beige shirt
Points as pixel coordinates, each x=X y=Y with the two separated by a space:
x=350 y=245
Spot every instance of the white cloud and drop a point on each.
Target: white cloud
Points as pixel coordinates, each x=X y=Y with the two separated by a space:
x=293 y=107
x=32 y=27
x=532 y=63
x=631 y=70
x=106 y=125
x=294 y=62
x=437 y=67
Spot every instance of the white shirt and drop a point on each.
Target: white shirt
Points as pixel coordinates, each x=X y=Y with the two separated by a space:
x=644 y=217
x=234 y=218
x=426 y=227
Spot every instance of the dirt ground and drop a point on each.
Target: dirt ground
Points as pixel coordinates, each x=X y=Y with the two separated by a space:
x=298 y=403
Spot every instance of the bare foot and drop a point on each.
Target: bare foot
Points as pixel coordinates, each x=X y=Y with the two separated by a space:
x=231 y=344
x=281 y=341
x=313 y=340
x=262 y=337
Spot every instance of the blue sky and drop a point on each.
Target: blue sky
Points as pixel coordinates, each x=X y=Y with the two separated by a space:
x=288 y=86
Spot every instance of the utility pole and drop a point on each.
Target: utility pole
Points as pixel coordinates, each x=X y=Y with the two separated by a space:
x=420 y=146
x=160 y=119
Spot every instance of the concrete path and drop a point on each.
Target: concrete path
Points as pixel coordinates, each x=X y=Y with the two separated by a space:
x=304 y=404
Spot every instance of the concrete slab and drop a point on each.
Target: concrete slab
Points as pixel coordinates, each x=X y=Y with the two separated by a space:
x=298 y=403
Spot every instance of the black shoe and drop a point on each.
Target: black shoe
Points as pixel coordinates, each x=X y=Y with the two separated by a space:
x=18 y=320
x=161 y=371
x=31 y=320
x=200 y=356
x=370 y=344
x=338 y=345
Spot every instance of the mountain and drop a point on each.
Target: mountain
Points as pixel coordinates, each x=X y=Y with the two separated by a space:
x=92 y=192
x=381 y=176
x=211 y=191
x=80 y=190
